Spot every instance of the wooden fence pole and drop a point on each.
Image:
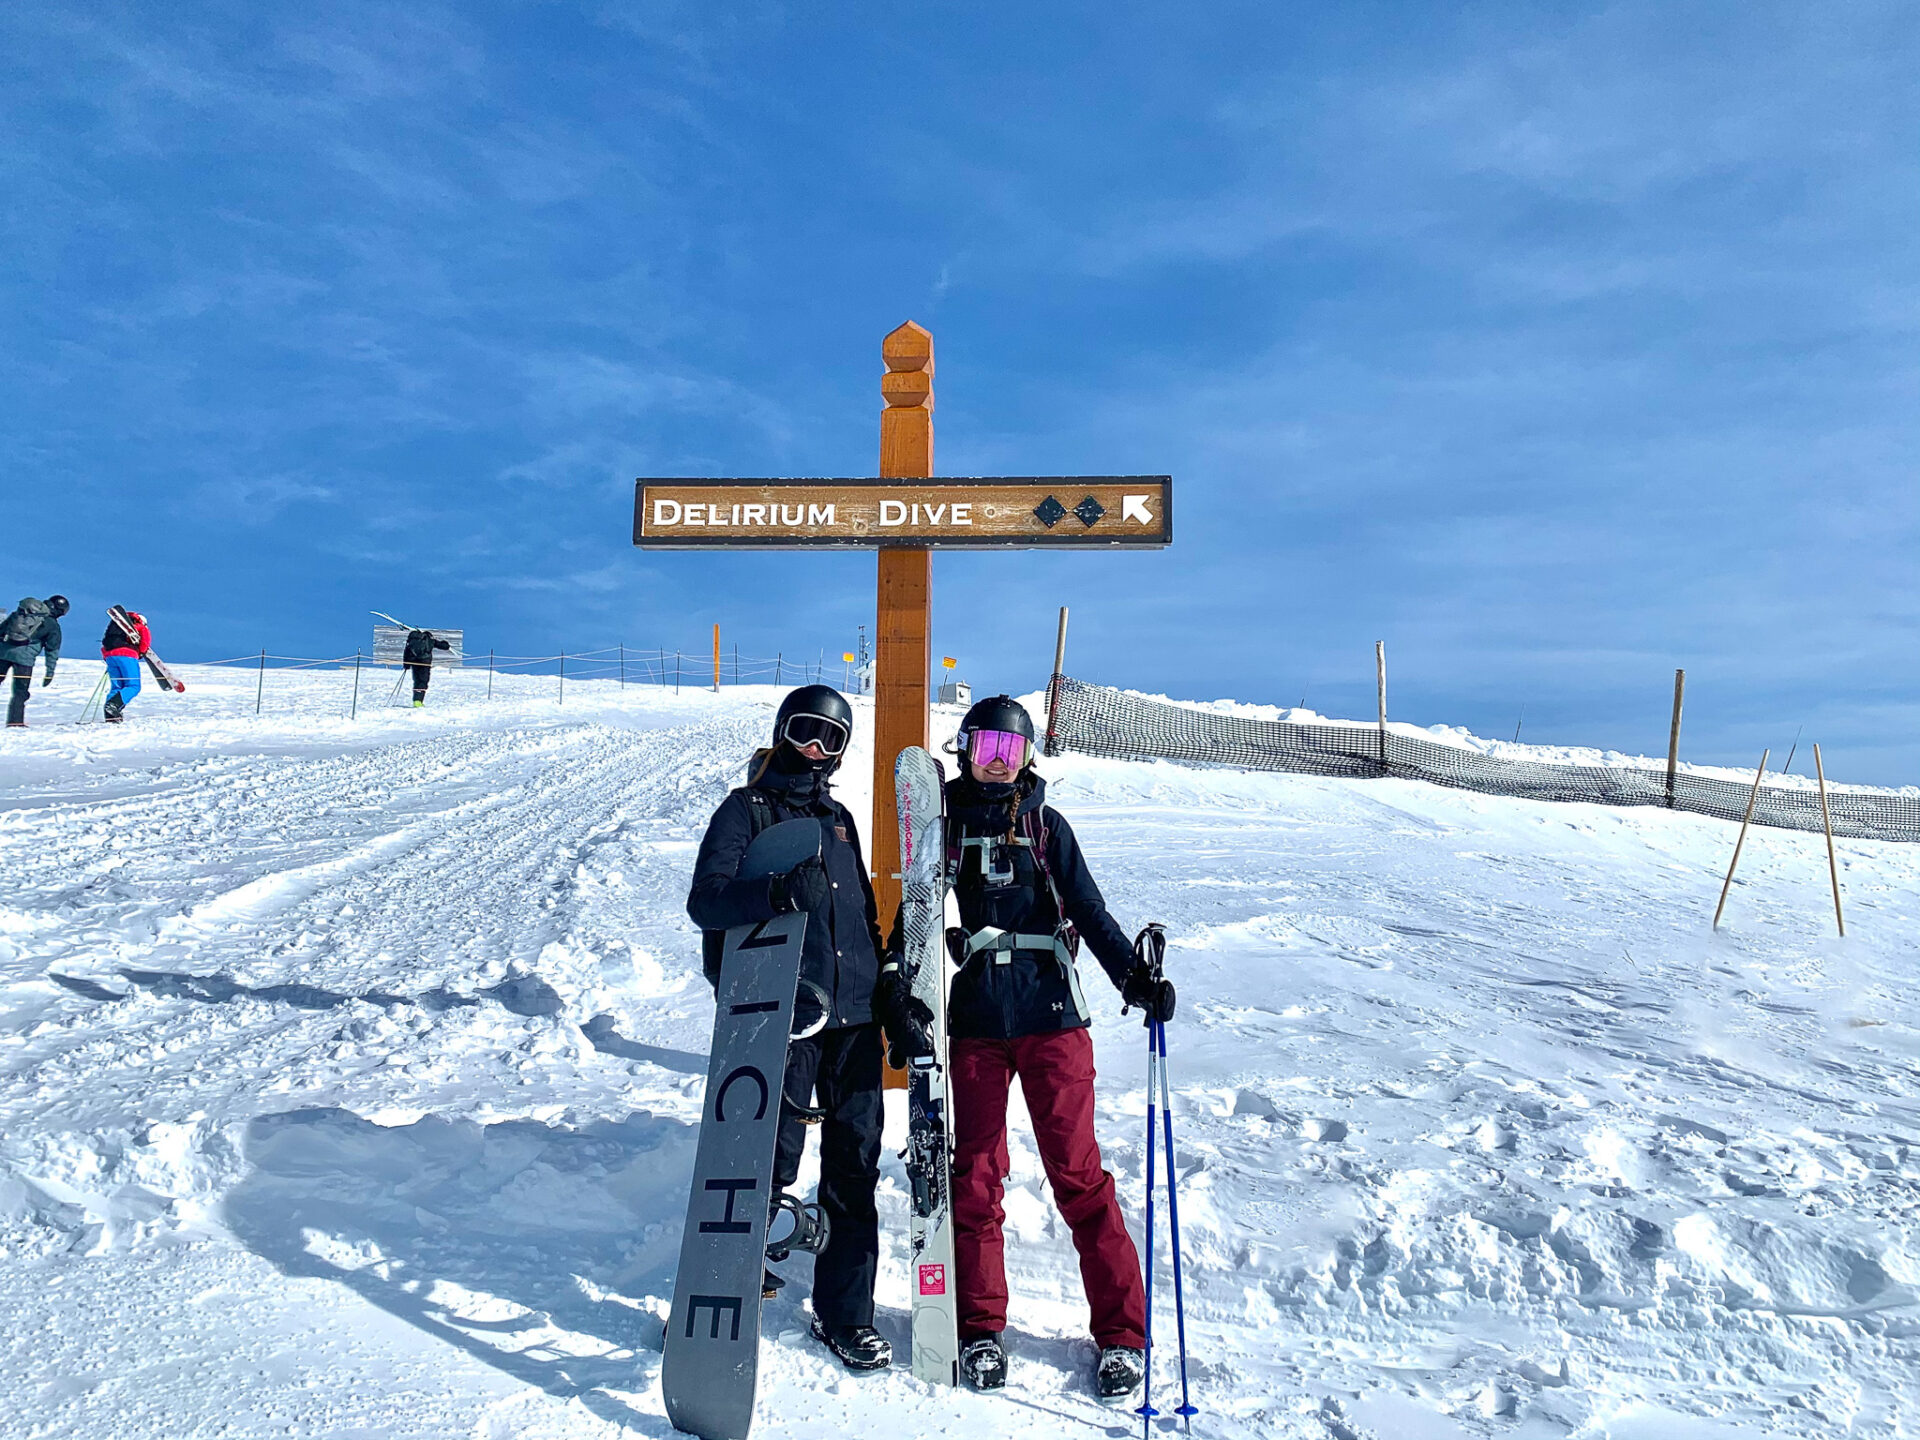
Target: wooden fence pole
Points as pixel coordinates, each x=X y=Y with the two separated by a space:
x=1826 y=821
x=1053 y=685
x=623 y=664
x=716 y=659
x=1673 y=735
x=1380 y=677
x=260 y=688
x=354 y=714
x=1745 y=820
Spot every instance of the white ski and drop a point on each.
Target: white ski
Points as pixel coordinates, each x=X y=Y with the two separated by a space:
x=919 y=787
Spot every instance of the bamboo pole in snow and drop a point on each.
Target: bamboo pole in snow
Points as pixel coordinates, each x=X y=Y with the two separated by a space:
x=1826 y=821
x=1745 y=820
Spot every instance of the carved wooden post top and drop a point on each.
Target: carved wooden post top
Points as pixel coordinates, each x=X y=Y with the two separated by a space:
x=908 y=383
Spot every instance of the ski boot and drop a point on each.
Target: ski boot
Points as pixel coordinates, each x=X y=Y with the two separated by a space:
x=984 y=1363
x=860 y=1347
x=1119 y=1373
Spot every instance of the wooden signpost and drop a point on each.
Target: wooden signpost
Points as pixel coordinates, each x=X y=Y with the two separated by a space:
x=906 y=514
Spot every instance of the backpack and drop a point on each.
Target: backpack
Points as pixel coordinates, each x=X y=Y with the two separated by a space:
x=713 y=943
x=23 y=624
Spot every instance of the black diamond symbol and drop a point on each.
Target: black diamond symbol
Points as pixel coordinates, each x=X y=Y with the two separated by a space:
x=1089 y=510
x=1049 y=511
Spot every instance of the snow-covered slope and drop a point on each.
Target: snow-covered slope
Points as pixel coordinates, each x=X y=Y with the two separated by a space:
x=351 y=1070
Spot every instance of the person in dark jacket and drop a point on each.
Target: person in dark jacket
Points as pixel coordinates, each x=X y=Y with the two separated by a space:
x=123 y=654
x=32 y=628
x=1016 y=1009
x=841 y=1065
x=419 y=658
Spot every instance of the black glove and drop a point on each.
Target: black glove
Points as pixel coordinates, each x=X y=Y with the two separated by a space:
x=1153 y=994
x=904 y=1017
x=805 y=887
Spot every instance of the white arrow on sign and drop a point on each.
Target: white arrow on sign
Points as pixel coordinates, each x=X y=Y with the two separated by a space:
x=1134 y=507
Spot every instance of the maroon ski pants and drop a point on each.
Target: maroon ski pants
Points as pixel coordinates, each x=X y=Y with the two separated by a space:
x=1056 y=1077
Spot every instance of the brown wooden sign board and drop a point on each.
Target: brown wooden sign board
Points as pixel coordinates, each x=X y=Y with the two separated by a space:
x=1005 y=512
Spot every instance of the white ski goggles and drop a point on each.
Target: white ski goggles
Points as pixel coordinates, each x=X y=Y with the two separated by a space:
x=803 y=730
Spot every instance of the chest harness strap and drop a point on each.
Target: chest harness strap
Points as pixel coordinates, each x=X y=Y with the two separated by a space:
x=1001 y=944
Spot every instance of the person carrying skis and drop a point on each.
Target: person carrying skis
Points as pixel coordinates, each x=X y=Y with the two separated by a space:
x=123 y=657
x=841 y=955
x=30 y=628
x=1026 y=899
x=419 y=658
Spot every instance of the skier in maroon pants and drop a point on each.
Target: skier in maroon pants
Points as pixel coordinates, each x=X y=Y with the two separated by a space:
x=1016 y=1010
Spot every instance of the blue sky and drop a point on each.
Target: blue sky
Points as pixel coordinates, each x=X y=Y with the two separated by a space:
x=1557 y=346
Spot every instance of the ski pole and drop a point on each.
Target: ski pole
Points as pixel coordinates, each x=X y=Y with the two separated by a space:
x=99 y=687
x=1187 y=1408
x=1145 y=1409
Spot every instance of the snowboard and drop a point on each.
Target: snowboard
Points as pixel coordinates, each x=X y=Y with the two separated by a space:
x=919 y=787
x=710 y=1368
x=168 y=680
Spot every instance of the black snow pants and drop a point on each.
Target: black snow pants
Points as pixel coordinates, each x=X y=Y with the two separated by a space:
x=22 y=690
x=841 y=1067
x=422 y=677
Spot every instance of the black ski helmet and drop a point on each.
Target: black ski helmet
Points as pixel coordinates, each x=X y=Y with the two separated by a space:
x=822 y=702
x=58 y=605
x=997 y=712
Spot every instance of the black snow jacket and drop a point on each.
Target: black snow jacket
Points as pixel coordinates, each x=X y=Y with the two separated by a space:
x=841 y=953
x=28 y=630
x=1004 y=994
x=420 y=646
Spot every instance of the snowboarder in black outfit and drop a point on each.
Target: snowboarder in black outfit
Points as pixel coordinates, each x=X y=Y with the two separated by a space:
x=31 y=628
x=1027 y=900
x=419 y=657
x=841 y=1065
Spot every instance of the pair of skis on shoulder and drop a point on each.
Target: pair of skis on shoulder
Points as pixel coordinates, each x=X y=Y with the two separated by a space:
x=123 y=622
x=709 y=1372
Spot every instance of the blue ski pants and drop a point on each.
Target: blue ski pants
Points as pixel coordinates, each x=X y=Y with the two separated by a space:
x=125 y=673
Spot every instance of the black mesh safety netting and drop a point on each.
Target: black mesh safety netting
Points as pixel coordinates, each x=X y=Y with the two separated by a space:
x=1096 y=720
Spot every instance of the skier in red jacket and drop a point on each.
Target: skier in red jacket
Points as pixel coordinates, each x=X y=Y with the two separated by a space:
x=123 y=659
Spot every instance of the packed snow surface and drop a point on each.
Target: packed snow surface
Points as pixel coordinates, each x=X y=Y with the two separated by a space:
x=352 y=1068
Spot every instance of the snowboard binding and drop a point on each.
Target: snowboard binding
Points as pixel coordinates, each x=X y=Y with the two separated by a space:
x=810 y=1011
x=810 y=1230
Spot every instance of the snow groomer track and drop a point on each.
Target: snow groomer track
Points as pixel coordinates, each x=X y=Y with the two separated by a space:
x=351 y=1069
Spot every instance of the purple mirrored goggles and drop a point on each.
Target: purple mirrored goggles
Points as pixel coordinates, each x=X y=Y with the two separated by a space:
x=986 y=746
